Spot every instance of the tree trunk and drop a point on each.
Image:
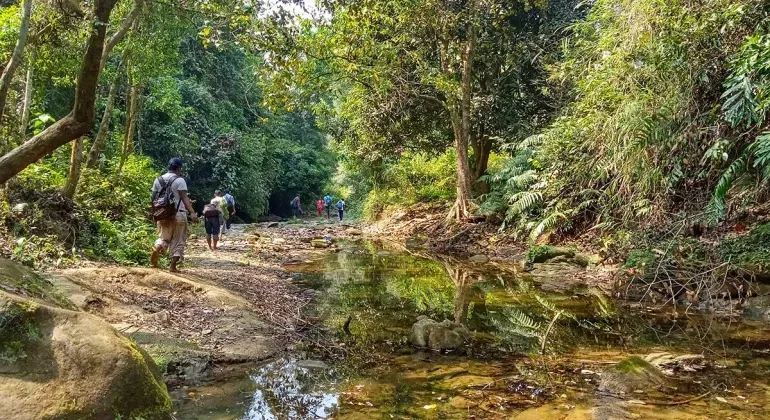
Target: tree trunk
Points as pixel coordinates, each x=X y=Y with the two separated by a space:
x=25 y=106
x=121 y=33
x=100 y=141
x=481 y=162
x=73 y=176
x=462 y=130
x=16 y=57
x=128 y=138
x=78 y=122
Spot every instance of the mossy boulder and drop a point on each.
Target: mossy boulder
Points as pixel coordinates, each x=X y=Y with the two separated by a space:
x=631 y=374
x=63 y=364
x=446 y=335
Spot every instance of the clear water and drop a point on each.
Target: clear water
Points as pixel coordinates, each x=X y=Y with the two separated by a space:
x=523 y=360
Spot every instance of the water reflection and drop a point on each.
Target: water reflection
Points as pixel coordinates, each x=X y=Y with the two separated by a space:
x=287 y=390
x=376 y=373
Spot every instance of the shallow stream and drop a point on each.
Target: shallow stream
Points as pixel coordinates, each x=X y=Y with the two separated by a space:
x=540 y=344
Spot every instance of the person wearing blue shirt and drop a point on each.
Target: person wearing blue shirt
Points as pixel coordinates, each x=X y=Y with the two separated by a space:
x=328 y=205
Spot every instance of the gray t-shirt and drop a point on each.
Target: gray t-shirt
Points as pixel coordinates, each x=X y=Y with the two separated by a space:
x=179 y=184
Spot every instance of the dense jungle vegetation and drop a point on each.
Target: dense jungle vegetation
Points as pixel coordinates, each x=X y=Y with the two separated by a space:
x=550 y=118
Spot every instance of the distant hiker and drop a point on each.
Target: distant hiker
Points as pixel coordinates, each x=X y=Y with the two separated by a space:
x=170 y=206
x=296 y=207
x=213 y=224
x=230 y=200
x=319 y=205
x=341 y=208
x=221 y=204
x=328 y=205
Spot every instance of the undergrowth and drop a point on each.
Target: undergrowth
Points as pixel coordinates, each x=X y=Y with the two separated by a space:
x=107 y=219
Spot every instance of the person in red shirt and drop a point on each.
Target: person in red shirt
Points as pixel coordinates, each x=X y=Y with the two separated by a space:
x=319 y=205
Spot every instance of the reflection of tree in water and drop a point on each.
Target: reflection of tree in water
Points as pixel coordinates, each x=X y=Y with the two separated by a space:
x=285 y=390
x=383 y=292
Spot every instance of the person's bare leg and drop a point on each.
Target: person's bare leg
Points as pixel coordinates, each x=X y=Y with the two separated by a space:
x=215 y=243
x=173 y=268
x=155 y=256
x=208 y=241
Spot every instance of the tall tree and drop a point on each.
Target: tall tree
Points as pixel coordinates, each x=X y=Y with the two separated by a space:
x=406 y=75
x=16 y=57
x=78 y=122
x=100 y=141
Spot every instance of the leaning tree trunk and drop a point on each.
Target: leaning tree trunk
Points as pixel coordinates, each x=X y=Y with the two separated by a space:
x=23 y=125
x=73 y=175
x=128 y=139
x=100 y=141
x=16 y=57
x=78 y=122
x=118 y=36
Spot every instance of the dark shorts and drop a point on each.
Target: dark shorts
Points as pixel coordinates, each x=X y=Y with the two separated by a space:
x=212 y=225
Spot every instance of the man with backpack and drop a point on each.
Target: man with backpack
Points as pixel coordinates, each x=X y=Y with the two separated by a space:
x=328 y=206
x=170 y=206
x=230 y=200
x=341 y=208
x=296 y=207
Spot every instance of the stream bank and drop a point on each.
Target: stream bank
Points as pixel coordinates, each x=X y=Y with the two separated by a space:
x=543 y=344
x=310 y=319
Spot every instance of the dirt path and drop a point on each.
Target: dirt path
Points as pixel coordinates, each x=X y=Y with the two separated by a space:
x=235 y=305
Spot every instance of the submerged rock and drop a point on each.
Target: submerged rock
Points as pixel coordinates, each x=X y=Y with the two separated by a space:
x=445 y=335
x=633 y=373
x=312 y=364
x=320 y=243
x=59 y=363
x=480 y=258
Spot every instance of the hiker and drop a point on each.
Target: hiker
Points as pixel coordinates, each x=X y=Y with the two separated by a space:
x=296 y=207
x=341 y=208
x=328 y=205
x=319 y=205
x=230 y=200
x=219 y=200
x=213 y=223
x=171 y=205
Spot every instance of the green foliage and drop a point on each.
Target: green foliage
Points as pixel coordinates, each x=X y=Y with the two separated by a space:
x=639 y=78
x=412 y=178
x=18 y=330
x=746 y=103
x=108 y=219
x=753 y=248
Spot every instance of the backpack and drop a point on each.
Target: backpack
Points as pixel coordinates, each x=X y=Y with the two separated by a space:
x=230 y=200
x=293 y=203
x=327 y=201
x=340 y=205
x=210 y=210
x=164 y=205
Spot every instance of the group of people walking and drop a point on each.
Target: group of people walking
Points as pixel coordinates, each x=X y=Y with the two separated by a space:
x=322 y=205
x=325 y=205
x=218 y=213
x=171 y=207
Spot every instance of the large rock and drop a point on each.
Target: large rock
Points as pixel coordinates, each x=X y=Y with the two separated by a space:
x=58 y=363
x=445 y=335
x=631 y=374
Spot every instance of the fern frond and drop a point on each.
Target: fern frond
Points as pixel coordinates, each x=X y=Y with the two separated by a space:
x=735 y=170
x=523 y=201
x=524 y=179
x=522 y=320
x=548 y=224
x=532 y=142
x=546 y=303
